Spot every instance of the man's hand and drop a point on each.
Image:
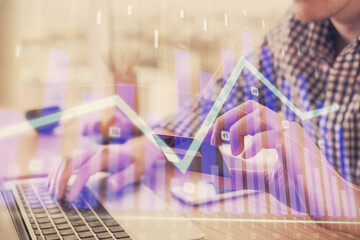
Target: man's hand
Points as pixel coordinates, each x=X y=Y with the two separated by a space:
x=270 y=130
x=124 y=162
x=300 y=169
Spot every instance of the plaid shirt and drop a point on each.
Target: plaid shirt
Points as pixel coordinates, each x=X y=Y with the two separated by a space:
x=300 y=58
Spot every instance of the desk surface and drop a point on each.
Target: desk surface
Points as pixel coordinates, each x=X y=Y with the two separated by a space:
x=229 y=219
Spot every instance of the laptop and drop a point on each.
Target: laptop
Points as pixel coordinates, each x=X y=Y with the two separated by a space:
x=28 y=211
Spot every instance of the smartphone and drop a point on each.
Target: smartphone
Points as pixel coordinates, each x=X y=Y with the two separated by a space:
x=205 y=192
x=207 y=160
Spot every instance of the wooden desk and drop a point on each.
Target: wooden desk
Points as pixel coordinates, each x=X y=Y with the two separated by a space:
x=229 y=219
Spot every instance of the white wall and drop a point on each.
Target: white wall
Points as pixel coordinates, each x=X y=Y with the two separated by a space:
x=39 y=25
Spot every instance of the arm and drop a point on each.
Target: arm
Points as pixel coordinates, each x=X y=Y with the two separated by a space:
x=124 y=162
x=298 y=157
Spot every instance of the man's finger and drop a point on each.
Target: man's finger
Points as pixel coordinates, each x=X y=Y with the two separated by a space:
x=267 y=139
x=248 y=125
x=53 y=172
x=251 y=124
x=95 y=164
x=67 y=166
x=54 y=176
x=62 y=178
x=230 y=117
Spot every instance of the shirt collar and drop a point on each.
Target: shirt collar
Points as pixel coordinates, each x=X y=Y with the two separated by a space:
x=320 y=40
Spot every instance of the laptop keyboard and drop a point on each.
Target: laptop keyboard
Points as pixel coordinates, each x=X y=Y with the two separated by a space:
x=84 y=218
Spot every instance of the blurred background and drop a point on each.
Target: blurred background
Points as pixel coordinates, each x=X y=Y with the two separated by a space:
x=96 y=44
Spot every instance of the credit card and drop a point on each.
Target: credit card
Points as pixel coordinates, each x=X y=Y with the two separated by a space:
x=208 y=159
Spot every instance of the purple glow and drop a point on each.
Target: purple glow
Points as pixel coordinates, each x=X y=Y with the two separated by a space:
x=159 y=178
x=320 y=194
x=54 y=95
x=309 y=181
x=336 y=195
x=227 y=68
x=248 y=53
x=182 y=78
x=127 y=93
x=9 y=145
x=292 y=174
x=235 y=206
x=326 y=158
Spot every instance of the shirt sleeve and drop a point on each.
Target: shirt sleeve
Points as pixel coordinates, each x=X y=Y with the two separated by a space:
x=186 y=123
x=187 y=120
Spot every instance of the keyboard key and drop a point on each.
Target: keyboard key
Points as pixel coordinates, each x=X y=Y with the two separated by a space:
x=85 y=234
x=52 y=237
x=71 y=212
x=51 y=206
x=48 y=202
x=45 y=196
x=40 y=215
x=43 y=192
x=66 y=232
x=90 y=218
x=56 y=215
x=63 y=226
x=45 y=225
x=84 y=209
x=38 y=210
x=43 y=220
x=71 y=219
x=31 y=196
x=81 y=229
x=95 y=224
x=60 y=220
x=54 y=210
x=99 y=229
x=85 y=212
x=101 y=211
x=120 y=235
x=34 y=226
x=37 y=205
x=116 y=229
x=70 y=237
x=111 y=223
x=37 y=232
x=77 y=223
x=104 y=235
x=48 y=231
x=34 y=202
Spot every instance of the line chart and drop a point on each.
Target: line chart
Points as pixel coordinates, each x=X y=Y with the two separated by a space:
x=183 y=164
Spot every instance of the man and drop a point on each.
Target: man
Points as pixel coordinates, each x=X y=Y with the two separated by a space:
x=315 y=48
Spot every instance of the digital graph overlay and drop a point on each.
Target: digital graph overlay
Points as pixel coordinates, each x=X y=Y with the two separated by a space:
x=147 y=131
